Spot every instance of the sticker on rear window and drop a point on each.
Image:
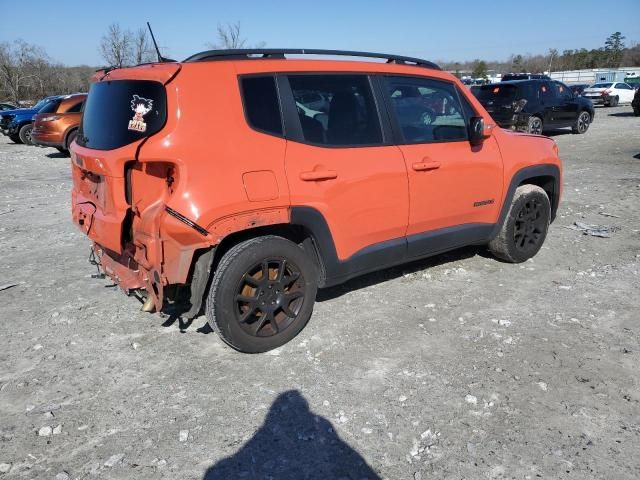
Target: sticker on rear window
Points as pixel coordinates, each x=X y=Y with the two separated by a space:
x=140 y=106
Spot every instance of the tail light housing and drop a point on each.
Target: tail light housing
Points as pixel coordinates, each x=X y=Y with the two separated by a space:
x=50 y=118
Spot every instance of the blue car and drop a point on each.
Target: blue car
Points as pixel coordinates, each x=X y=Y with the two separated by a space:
x=17 y=124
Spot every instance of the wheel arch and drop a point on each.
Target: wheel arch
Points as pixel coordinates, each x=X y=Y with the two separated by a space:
x=205 y=261
x=67 y=133
x=545 y=176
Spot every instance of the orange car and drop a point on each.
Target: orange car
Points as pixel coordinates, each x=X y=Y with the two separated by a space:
x=216 y=181
x=56 y=125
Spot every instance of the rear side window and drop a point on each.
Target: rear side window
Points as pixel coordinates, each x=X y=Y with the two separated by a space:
x=50 y=107
x=261 y=105
x=120 y=112
x=427 y=110
x=336 y=110
x=75 y=108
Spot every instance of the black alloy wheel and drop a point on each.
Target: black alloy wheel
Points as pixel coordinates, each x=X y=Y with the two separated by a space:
x=582 y=123
x=535 y=126
x=269 y=297
x=530 y=226
x=262 y=293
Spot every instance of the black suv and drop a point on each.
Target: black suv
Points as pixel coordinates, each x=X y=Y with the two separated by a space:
x=636 y=103
x=535 y=105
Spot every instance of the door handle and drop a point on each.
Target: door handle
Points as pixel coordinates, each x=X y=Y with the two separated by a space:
x=316 y=175
x=430 y=165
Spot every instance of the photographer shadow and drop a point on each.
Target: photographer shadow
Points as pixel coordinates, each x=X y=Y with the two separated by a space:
x=293 y=443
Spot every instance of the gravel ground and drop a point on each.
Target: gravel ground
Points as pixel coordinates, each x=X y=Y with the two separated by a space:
x=459 y=367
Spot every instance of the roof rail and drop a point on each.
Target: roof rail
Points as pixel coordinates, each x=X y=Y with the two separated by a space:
x=266 y=53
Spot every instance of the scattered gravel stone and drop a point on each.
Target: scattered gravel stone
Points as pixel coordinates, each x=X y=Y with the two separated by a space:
x=62 y=476
x=5 y=467
x=45 y=431
x=402 y=398
x=37 y=347
x=57 y=430
x=471 y=399
x=184 y=435
x=543 y=386
x=114 y=460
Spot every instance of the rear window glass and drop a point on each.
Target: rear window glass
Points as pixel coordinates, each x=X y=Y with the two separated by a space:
x=498 y=94
x=120 y=112
x=336 y=110
x=601 y=85
x=50 y=107
x=261 y=105
x=75 y=108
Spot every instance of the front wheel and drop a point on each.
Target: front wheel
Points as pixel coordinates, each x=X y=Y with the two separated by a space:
x=70 y=138
x=525 y=227
x=262 y=294
x=582 y=123
x=534 y=126
x=25 y=134
x=15 y=138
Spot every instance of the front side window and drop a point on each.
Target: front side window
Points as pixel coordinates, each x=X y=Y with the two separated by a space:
x=427 y=110
x=261 y=104
x=562 y=91
x=336 y=110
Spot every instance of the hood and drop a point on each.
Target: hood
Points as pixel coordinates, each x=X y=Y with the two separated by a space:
x=19 y=111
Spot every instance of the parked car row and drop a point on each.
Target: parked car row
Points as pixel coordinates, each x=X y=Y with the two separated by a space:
x=52 y=122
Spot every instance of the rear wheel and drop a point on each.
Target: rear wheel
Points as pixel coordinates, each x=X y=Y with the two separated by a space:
x=262 y=294
x=534 y=126
x=613 y=102
x=525 y=227
x=25 y=134
x=582 y=123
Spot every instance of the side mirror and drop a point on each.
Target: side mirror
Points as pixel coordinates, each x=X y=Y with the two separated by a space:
x=477 y=131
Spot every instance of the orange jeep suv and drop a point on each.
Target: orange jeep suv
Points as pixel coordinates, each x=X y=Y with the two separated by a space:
x=238 y=182
x=56 y=125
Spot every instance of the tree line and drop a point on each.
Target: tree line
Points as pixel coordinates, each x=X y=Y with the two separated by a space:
x=27 y=73
x=613 y=54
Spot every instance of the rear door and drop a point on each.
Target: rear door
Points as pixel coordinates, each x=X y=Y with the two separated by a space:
x=342 y=163
x=452 y=185
x=549 y=103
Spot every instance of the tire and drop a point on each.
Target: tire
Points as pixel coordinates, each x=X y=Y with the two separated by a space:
x=582 y=123
x=636 y=112
x=62 y=150
x=262 y=294
x=613 y=102
x=534 y=126
x=25 y=134
x=530 y=211
x=70 y=138
x=15 y=138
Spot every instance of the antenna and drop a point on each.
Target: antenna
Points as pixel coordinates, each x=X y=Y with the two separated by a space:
x=153 y=38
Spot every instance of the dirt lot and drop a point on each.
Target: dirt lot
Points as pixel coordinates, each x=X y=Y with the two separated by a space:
x=460 y=367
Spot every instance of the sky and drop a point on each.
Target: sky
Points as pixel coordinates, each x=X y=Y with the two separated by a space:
x=453 y=30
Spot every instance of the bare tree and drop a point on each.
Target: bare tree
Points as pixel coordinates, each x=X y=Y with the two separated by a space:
x=116 y=46
x=22 y=66
x=142 y=50
x=230 y=37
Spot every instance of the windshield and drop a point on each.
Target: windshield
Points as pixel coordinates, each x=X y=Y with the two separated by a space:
x=120 y=112
x=497 y=94
x=601 y=85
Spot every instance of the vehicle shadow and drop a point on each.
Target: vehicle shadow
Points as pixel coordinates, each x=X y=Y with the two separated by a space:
x=57 y=155
x=557 y=132
x=637 y=156
x=293 y=443
x=622 y=114
x=381 y=276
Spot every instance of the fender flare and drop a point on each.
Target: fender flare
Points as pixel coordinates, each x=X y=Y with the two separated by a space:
x=545 y=170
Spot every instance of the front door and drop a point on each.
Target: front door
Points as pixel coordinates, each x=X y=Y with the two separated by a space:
x=454 y=188
x=342 y=165
x=566 y=109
